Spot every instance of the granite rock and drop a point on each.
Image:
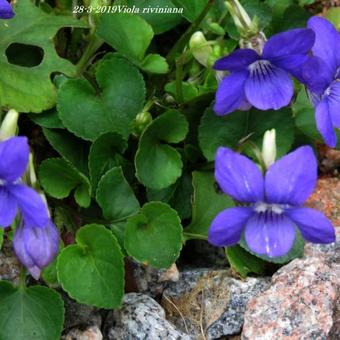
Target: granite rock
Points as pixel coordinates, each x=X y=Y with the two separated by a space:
x=90 y=333
x=152 y=281
x=302 y=301
x=9 y=265
x=209 y=303
x=141 y=317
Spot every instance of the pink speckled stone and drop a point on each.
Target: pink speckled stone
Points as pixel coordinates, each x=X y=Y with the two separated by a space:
x=301 y=303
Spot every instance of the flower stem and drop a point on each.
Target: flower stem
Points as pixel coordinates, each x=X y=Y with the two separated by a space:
x=90 y=49
x=22 y=278
x=190 y=236
x=182 y=41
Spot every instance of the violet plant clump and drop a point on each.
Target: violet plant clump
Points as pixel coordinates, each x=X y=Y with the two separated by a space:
x=150 y=130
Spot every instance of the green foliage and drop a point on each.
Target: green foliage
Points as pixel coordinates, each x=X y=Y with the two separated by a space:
x=92 y=270
x=131 y=35
x=33 y=90
x=333 y=15
x=160 y=22
x=115 y=196
x=105 y=153
x=30 y=313
x=207 y=203
x=121 y=98
x=229 y=130
x=243 y=263
x=66 y=180
x=154 y=235
x=125 y=139
x=158 y=165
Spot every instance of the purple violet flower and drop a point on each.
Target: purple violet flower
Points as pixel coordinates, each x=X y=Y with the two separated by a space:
x=321 y=73
x=14 y=154
x=36 y=247
x=273 y=203
x=263 y=81
x=6 y=11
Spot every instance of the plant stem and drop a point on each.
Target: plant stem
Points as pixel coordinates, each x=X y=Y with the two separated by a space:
x=90 y=49
x=182 y=41
x=190 y=236
x=22 y=278
x=179 y=77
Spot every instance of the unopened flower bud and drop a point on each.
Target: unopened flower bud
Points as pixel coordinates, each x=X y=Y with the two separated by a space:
x=246 y=26
x=9 y=125
x=269 y=148
x=200 y=48
x=36 y=247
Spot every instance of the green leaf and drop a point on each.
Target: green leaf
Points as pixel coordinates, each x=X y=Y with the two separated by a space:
x=293 y=17
x=58 y=178
x=30 y=89
x=49 y=273
x=154 y=236
x=129 y=34
x=92 y=270
x=89 y=114
x=105 y=153
x=178 y=196
x=190 y=91
x=305 y=118
x=243 y=262
x=191 y=8
x=333 y=15
x=259 y=9
x=71 y=148
x=295 y=252
x=207 y=203
x=154 y=63
x=160 y=22
x=115 y=196
x=30 y=313
x=158 y=165
x=48 y=119
x=217 y=131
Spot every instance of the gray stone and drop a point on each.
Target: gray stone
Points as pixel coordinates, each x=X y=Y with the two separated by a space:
x=152 y=281
x=141 y=318
x=302 y=301
x=9 y=265
x=210 y=303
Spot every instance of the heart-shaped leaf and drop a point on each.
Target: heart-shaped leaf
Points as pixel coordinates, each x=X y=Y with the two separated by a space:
x=59 y=178
x=159 y=165
x=105 y=153
x=89 y=114
x=30 y=313
x=129 y=34
x=154 y=236
x=207 y=203
x=32 y=90
x=92 y=271
x=115 y=196
x=71 y=148
x=217 y=131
